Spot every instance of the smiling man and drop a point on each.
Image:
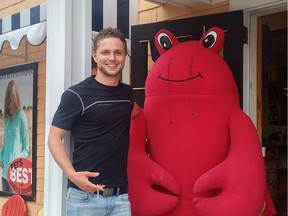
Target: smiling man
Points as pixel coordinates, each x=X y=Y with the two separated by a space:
x=97 y=111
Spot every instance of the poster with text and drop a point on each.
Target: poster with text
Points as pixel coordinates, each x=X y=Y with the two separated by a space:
x=18 y=112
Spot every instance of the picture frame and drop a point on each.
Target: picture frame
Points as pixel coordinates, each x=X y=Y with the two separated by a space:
x=21 y=168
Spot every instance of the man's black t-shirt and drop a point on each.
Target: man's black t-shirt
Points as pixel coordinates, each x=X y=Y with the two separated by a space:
x=98 y=117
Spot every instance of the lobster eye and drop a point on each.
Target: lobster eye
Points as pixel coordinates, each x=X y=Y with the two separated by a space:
x=164 y=41
x=210 y=39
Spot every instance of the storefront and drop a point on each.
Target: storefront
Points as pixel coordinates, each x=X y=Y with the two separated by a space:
x=56 y=36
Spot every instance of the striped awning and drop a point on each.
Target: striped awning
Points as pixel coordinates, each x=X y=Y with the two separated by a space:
x=30 y=23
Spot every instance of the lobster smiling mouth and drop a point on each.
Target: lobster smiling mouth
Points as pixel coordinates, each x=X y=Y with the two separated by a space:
x=183 y=80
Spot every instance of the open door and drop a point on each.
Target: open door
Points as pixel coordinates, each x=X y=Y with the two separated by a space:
x=235 y=36
x=272 y=102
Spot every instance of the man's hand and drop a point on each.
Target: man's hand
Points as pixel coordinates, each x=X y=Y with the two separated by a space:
x=81 y=179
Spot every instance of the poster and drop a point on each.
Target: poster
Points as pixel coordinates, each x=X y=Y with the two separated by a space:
x=18 y=109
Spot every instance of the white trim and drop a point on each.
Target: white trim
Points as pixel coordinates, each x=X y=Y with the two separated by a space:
x=127 y=69
x=133 y=15
x=109 y=13
x=81 y=40
x=58 y=62
x=6 y=24
x=250 y=55
x=253 y=5
x=25 y=18
x=43 y=12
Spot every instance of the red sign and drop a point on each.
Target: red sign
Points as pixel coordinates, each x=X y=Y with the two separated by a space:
x=19 y=176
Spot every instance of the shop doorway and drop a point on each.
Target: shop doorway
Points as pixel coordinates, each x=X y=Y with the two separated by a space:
x=272 y=102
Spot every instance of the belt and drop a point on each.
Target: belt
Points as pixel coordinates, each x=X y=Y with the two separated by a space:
x=112 y=191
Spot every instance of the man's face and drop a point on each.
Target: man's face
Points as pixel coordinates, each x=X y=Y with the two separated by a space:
x=110 y=57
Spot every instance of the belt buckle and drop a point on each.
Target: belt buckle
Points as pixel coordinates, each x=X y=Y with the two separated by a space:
x=108 y=192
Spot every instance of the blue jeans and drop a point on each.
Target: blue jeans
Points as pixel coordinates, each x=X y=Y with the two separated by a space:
x=92 y=204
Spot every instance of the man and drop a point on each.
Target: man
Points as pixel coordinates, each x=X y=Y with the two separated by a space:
x=97 y=111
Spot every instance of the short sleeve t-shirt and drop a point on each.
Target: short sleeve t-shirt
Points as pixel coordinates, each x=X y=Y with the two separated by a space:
x=98 y=117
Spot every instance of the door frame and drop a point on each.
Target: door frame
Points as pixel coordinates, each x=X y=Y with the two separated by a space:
x=250 y=57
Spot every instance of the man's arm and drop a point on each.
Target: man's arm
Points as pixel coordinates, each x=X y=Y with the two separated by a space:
x=59 y=154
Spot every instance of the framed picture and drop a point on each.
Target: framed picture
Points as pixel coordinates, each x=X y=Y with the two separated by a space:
x=18 y=112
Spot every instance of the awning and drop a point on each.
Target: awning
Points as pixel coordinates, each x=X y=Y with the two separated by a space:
x=35 y=35
x=30 y=23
